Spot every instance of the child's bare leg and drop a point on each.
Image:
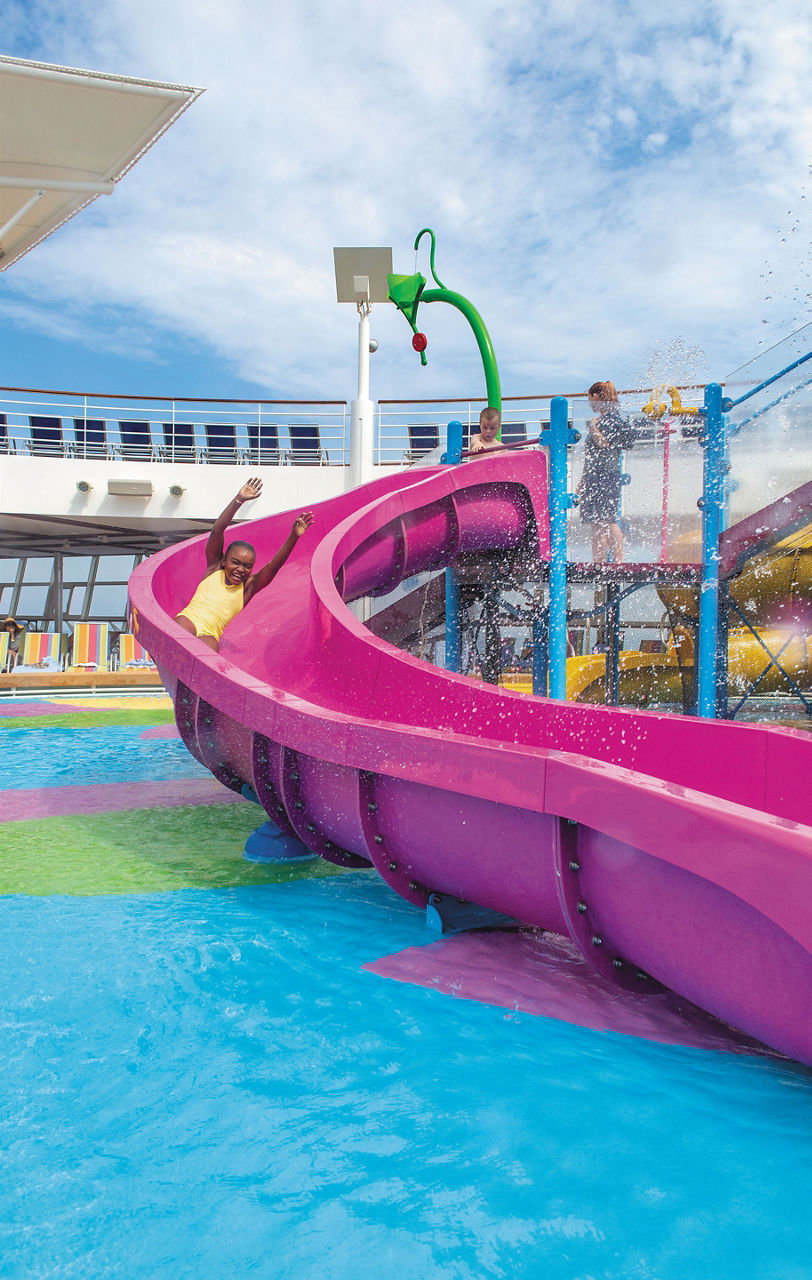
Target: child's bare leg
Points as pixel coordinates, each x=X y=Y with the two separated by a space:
x=600 y=541
x=189 y=626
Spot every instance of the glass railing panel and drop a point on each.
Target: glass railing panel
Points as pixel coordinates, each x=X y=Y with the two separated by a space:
x=769 y=428
x=768 y=363
x=660 y=465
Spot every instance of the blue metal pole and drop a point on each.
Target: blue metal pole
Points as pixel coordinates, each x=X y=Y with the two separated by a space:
x=557 y=439
x=453 y=633
x=713 y=496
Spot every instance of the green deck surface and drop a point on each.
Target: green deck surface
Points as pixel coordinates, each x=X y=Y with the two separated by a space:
x=140 y=851
x=147 y=717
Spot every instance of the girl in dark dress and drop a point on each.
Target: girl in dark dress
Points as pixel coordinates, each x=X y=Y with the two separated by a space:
x=600 y=483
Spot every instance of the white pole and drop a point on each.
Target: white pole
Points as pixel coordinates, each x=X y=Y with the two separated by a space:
x=362 y=432
x=363 y=351
x=43 y=183
x=20 y=214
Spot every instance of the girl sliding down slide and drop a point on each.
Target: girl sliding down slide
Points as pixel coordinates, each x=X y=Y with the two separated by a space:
x=230 y=582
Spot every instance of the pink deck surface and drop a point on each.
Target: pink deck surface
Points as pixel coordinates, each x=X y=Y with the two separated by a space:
x=14 y=709
x=160 y=731
x=57 y=802
x=545 y=976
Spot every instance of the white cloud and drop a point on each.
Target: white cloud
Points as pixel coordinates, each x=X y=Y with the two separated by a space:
x=598 y=179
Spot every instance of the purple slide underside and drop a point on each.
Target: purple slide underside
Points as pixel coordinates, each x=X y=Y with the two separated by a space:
x=671 y=850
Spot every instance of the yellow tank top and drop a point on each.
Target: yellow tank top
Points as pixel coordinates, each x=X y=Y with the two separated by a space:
x=213 y=605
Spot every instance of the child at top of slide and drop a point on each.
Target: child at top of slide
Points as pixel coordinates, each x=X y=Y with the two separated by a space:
x=490 y=420
x=229 y=582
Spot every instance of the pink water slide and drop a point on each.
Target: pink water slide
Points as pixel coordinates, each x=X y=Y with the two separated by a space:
x=672 y=850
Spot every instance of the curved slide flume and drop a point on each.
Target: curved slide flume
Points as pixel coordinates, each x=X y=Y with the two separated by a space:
x=672 y=850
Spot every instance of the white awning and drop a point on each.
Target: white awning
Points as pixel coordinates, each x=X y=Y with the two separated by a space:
x=68 y=136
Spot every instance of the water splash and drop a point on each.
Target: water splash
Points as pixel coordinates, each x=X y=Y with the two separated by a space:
x=787 y=272
x=678 y=363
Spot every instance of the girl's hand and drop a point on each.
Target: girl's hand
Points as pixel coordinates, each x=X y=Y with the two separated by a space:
x=250 y=490
x=302 y=523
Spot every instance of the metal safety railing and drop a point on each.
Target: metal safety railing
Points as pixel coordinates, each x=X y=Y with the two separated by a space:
x=51 y=423
x=62 y=424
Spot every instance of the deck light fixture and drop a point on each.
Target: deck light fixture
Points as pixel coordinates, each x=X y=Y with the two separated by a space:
x=361 y=278
x=130 y=488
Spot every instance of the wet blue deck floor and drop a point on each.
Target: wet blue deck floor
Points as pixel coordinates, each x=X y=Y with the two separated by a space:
x=209 y=1083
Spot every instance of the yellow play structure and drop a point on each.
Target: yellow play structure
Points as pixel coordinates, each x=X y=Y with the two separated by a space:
x=772 y=590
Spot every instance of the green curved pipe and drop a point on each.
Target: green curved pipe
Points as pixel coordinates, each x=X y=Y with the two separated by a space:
x=427 y=231
x=407 y=292
x=480 y=333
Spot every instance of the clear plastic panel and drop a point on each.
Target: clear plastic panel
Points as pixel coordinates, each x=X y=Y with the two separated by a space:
x=411 y=617
x=496 y=630
x=769 y=435
x=497 y=636
x=659 y=520
x=661 y=466
x=770 y=432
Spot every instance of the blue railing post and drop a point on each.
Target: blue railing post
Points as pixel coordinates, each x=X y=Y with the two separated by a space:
x=453 y=632
x=557 y=438
x=713 y=496
x=453 y=443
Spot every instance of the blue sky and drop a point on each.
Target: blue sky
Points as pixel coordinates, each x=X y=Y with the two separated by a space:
x=613 y=186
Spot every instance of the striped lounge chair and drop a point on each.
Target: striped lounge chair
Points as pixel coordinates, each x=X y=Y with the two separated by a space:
x=4 y=639
x=132 y=653
x=42 y=648
x=90 y=645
